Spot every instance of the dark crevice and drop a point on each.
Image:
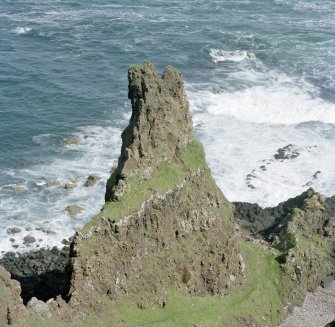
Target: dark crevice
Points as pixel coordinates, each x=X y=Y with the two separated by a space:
x=43 y=274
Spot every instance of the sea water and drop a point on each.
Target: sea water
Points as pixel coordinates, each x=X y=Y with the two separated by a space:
x=260 y=75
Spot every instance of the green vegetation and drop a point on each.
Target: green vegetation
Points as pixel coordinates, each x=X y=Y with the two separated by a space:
x=305 y=260
x=259 y=300
x=146 y=67
x=164 y=178
x=194 y=155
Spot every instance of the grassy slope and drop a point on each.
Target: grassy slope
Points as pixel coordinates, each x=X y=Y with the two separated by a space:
x=258 y=300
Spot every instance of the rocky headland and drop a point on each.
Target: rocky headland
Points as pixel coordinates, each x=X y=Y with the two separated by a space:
x=167 y=248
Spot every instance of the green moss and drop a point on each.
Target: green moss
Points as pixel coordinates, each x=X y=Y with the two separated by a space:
x=36 y=320
x=259 y=300
x=145 y=68
x=167 y=176
x=194 y=155
x=305 y=260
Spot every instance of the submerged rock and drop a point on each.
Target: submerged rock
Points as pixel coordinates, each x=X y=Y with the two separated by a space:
x=70 y=185
x=74 y=209
x=20 y=189
x=71 y=141
x=53 y=184
x=92 y=180
x=13 y=230
x=29 y=239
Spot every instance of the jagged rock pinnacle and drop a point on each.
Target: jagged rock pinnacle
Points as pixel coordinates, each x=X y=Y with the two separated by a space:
x=160 y=126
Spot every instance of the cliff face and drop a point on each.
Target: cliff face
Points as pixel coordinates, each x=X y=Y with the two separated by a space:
x=12 y=310
x=166 y=223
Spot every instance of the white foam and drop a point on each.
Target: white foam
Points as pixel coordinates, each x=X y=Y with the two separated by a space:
x=22 y=30
x=242 y=129
x=279 y=103
x=218 y=55
x=42 y=206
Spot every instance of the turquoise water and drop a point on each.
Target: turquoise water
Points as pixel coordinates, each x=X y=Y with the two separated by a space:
x=259 y=75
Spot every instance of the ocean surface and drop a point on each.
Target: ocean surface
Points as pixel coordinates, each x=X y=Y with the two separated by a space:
x=260 y=75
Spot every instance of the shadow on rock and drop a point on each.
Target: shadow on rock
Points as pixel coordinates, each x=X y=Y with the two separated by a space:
x=43 y=274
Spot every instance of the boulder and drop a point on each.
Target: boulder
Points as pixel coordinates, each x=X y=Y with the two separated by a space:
x=13 y=230
x=70 y=185
x=92 y=180
x=20 y=189
x=29 y=239
x=71 y=141
x=74 y=209
x=39 y=307
x=287 y=152
x=53 y=184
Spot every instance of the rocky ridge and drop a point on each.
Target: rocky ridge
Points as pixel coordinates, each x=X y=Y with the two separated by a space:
x=165 y=248
x=163 y=209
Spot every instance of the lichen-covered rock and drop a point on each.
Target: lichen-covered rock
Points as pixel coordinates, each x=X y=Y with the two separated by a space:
x=12 y=310
x=165 y=223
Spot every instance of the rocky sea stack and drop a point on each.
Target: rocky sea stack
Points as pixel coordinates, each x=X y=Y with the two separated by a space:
x=166 y=250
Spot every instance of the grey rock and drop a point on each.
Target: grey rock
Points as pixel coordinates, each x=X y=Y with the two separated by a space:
x=39 y=307
x=92 y=180
x=74 y=209
x=20 y=189
x=70 y=185
x=71 y=141
x=53 y=184
x=287 y=152
x=13 y=230
x=29 y=239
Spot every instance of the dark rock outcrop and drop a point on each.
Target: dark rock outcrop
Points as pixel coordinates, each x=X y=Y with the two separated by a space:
x=42 y=274
x=302 y=228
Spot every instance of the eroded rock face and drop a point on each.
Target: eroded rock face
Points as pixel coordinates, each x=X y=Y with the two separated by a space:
x=12 y=310
x=160 y=126
x=168 y=224
x=302 y=228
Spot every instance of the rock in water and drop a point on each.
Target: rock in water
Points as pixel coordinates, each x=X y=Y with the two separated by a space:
x=164 y=214
x=53 y=184
x=71 y=141
x=70 y=185
x=74 y=209
x=92 y=180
